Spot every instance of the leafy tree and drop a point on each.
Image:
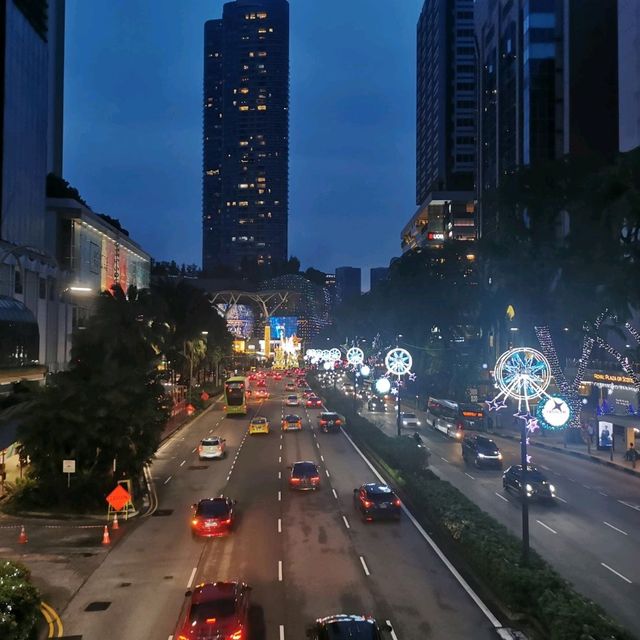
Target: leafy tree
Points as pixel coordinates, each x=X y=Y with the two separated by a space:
x=109 y=406
x=19 y=602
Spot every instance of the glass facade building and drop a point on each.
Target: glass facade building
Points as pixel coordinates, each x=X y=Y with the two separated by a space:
x=246 y=135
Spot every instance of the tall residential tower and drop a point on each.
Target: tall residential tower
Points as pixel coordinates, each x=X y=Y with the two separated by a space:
x=245 y=199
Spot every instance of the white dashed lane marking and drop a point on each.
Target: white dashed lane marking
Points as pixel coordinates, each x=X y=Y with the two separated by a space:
x=335 y=495
x=501 y=497
x=364 y=566
x=624 y=533
x=279 y=525
x=542 y=524
x=606 y=566
x=193 y=575
x=346 y=522
x=279 y=570
x=167 y=480
x=469 y=475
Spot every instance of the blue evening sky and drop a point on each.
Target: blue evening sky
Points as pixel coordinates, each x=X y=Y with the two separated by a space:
x=133 y=123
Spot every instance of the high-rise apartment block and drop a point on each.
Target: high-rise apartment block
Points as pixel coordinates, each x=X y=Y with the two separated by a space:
x=246 y=135
x=445 y=126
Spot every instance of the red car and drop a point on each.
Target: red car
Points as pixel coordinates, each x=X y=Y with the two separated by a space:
x=314 y=402
x=217 y=610
x=212 y=517
x=278 y=376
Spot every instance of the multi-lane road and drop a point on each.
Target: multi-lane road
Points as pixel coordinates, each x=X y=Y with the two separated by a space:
x=591 y=535
x=305 y=554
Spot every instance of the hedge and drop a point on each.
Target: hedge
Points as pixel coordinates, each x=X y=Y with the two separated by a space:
x=19 y=603
x=490 y=551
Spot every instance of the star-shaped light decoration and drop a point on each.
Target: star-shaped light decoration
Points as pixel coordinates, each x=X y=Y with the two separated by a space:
x=412 y=377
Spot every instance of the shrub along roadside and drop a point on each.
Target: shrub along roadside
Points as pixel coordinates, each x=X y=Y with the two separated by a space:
x=19 y=603
x=490 y=550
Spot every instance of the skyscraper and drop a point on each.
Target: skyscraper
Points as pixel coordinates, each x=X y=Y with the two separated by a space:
x=245 y=202
x=445 y=125
x=348 y=283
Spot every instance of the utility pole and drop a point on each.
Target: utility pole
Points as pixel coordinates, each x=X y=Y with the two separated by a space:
x=525 y=497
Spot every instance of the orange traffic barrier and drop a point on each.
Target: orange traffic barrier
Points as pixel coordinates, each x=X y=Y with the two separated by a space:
x=22 y=538
x=106 y=539
x=115 y=526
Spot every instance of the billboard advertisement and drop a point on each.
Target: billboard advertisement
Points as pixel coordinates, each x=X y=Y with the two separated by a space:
x=283 y=327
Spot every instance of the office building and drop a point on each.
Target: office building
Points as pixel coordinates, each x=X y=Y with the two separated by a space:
x=629 y=73
x=377 y=275
x=55 y=38
x=348 y=284
x=246 y=135
x=548 y=85
x=446 y=106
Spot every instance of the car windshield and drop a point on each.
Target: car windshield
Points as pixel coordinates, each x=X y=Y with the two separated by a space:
x=292 y=418
x=213 y=609
x=212 y=442
x=329 y=416
x=487 y=446
x=354 y=630
x=304 y=469
x=535 y=476
x=411 y=416
x=380 y=494
x=212 y=508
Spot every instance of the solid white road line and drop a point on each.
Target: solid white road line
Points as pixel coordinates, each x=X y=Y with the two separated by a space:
x=191 y=577
x=631 y=506
x=463 y=583
x=335 y=495
x=279 y=496
x=281 y=632
x=279 y=570
x=346 y=522
x=167 y=480
x=279 y=525
x=501 y=497
x=393 y=633
x=561 y=499
x=606 y=566
x=469 y=475
x=624 y=533
x=546 y=526
x=364 y=566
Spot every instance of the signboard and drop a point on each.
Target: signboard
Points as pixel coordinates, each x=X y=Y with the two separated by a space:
x=68 y=466
x=283 y=327
x=612 y=377
x=433 y=235
x=605 y=435
x=118 y=498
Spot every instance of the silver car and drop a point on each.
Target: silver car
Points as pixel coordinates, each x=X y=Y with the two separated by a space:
x=212 y=448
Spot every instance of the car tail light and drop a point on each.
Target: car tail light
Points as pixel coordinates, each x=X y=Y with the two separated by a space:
x=323 y=422
x=315 y=479
x=227 y=521
x=396 y=502
x=200 y=448
x=367 y=503
x=211 y=620
x=237 y=635
x=338 y=421
x=294 y=480
x=195 y=522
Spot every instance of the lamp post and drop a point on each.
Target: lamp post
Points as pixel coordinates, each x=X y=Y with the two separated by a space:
x=525 y=497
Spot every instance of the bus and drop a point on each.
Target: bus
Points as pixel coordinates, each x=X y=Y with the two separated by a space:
x=236 y=390
x=452 y=418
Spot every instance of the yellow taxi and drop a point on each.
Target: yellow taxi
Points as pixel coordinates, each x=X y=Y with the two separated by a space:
x=258 y=425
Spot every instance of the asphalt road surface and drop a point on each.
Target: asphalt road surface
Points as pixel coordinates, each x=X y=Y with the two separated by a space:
x=306 y=554
x=590 y=534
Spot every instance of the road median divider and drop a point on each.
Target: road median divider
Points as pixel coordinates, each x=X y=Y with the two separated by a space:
x=533 y=595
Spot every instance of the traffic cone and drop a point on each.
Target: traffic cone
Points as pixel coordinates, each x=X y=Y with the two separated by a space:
x=22 y=538
x=105 y=536
x=115 y=526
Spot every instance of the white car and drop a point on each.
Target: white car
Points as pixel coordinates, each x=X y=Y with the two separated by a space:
x=212 y=448
x=410 y=420
x=292 y=401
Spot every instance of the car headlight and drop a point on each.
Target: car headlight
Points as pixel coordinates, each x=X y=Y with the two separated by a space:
x=481 y=455
x=529 y=489
x=552 y=488
x=499 y=456
x=418 y=422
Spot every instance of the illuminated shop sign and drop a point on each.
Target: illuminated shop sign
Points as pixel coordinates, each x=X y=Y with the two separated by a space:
x=611 y=377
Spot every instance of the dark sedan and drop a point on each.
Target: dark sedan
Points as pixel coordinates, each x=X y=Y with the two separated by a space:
x=376 y=501
x=536 y=486
x=347 y=627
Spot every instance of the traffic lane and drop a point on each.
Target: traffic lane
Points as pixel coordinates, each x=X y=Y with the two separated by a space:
x=567 y=535
x=250 y=553
x=414 y=589
x=324 y=574
x=148 y=570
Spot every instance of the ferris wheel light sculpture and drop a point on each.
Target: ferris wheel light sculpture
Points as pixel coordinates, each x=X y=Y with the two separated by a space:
x=355 y=356
x=523 y=374
x=398 y=362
